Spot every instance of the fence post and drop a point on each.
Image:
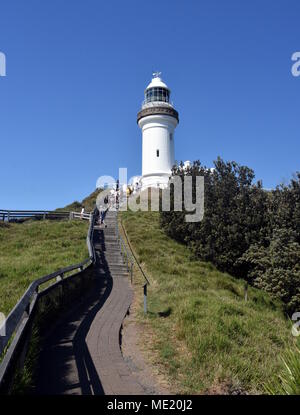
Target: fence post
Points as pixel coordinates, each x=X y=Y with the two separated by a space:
x=145 y=298
x=59 y=277
x=8 y=216
x=246 y=291
x=131 y=272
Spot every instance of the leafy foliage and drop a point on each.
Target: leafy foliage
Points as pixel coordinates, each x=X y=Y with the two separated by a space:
x=247 y=231
x=276 y=268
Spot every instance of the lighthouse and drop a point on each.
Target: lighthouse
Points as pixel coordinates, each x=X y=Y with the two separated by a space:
x=157 y=120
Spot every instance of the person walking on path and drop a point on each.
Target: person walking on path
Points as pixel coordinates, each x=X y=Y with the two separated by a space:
x=102 y=211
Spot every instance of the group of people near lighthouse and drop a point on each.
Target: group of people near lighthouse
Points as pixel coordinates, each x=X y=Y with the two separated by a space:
x=114 y=198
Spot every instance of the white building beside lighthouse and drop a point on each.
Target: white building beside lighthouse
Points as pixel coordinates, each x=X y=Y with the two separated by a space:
x=157 y=120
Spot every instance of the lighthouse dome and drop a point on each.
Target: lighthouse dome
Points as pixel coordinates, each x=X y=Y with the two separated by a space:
x=157 y=90
x=157 y=82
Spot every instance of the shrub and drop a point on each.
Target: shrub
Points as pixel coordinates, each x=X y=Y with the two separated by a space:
x=247 y=231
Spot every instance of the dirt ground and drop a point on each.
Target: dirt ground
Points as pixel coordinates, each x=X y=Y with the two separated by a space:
x=135 y=356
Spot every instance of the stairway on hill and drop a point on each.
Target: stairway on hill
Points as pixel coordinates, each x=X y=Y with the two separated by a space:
x=108 y=250
x=82 y=355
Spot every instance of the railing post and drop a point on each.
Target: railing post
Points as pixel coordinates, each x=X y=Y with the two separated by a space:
x=127 y=260
x=60 y=277
x=8 y=216
x=62 y=291
x=145 y=298
x=246 y=291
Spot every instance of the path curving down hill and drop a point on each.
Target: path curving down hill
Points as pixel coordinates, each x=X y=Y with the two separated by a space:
x=82 y=354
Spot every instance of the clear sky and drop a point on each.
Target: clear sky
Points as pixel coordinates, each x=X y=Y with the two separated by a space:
x=76 y=73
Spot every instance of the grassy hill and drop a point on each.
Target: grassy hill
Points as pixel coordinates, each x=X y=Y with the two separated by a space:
x=200 y=331
x=33 y=249
x=89 y=203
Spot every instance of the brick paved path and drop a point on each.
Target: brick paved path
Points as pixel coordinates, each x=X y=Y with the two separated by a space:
x=82 y=354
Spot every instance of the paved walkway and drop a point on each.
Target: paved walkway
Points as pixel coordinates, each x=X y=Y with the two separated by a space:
x=82 y=355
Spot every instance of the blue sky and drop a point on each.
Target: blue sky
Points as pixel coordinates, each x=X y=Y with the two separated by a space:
x=76 y=72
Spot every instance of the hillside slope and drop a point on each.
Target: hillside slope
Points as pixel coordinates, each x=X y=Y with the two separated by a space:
x=89 y=203
x=36 y=248
x=203 y=335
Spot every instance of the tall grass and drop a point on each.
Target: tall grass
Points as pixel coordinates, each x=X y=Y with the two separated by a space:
x=200 y=331
x=288 y=380
x=33 y=249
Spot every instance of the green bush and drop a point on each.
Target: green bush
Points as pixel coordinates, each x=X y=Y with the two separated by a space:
x=247 y=231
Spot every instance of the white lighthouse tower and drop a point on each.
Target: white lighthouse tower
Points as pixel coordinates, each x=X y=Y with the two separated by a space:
x=157 y=120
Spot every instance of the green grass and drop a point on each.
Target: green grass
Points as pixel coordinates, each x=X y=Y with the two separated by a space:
x=36 y=248
x=204 y=336
x=287 y=381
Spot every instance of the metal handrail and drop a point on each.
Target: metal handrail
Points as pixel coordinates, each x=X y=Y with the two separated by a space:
x=79 y=215
x=125 y=251
x=132 y=255
x=156 y=103
x=34 y=211
x=18 y=319
x=10 y=215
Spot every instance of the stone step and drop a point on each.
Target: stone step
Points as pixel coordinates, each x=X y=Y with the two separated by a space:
x=112 y=247
x=117 y=267
x=116 y=260
x=119 y=274
x=113 y=254
x=112 y=250
x=113 y=258
x=114 y=265
x=113 y=261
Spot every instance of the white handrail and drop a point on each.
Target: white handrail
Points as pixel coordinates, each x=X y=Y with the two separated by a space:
x=79 y=215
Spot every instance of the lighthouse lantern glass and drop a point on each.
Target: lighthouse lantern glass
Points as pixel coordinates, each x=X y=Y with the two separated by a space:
x=157 y=94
